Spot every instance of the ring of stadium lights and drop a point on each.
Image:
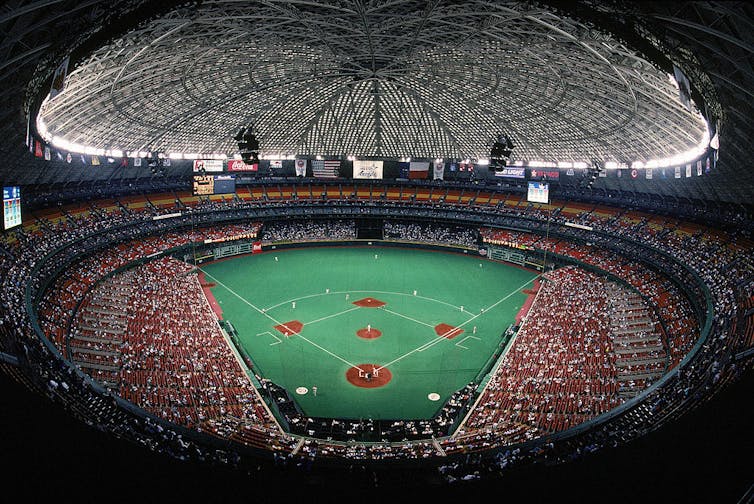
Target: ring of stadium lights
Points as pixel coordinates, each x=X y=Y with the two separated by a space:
x=678 y=160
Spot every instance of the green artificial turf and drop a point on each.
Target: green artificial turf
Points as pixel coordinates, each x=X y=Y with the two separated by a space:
x=256 y=293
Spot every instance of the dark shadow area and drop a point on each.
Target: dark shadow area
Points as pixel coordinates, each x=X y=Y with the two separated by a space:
x=703 y=457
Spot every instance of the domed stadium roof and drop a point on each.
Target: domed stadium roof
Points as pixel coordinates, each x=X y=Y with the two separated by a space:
x=392 y=79
x=573 y=83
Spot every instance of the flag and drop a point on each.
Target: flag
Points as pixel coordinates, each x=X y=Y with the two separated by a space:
x=68 y=157
x=325 y=169
x=439 y=170
x=166 y=161
x=684 y=87
x=83 y=159
x=48 y=154
x=619 y=173
x=677 y=172
x=38 y=148
x=649 y=173
x=634 y=173
x=95 y=160
x=124 y=162
x=403 y=169
x=137 y=161
x=688 y=170
x=708 y=167
x=453 y=167
x=366 y=169
x=58 y=78
x=301 y=167
x=256 y=247
x=418 y=169
x=715 y=142
x=699 y=168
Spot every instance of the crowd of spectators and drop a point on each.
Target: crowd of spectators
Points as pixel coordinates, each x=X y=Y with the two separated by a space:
x=560 y=369
x=675 y=311
x=108 y=237
x=309 y=230
x=438 y=234
x=175 y=361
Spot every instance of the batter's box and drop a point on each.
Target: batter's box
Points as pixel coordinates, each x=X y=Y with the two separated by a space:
x=459 y=344
x=268 y=333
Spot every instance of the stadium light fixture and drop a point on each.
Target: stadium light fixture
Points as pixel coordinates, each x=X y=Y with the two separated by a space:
x=248 y=145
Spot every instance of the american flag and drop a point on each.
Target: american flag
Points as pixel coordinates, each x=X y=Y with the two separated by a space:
x=325 y=169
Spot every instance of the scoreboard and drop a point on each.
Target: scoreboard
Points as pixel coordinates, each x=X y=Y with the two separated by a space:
x=11 y=206
x=205 y=185
x=539 y=192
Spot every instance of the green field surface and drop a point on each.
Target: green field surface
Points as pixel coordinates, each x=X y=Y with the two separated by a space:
x=481 y=297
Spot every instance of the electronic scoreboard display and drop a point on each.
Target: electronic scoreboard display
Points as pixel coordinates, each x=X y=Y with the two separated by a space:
x=11 y=207
x=539 y=192
x=225 y=184
x=205 y=185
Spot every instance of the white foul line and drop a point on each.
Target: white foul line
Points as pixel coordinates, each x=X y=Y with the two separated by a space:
x=408 y=318
x=442 y=337
x=331 y=316
x=421 y=348
x=273 y=318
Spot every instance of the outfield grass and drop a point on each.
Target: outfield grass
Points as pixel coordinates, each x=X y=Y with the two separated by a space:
x=257 y=292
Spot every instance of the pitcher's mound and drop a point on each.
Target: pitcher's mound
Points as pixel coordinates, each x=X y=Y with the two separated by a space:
x=368 y=333
x=369 y=302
